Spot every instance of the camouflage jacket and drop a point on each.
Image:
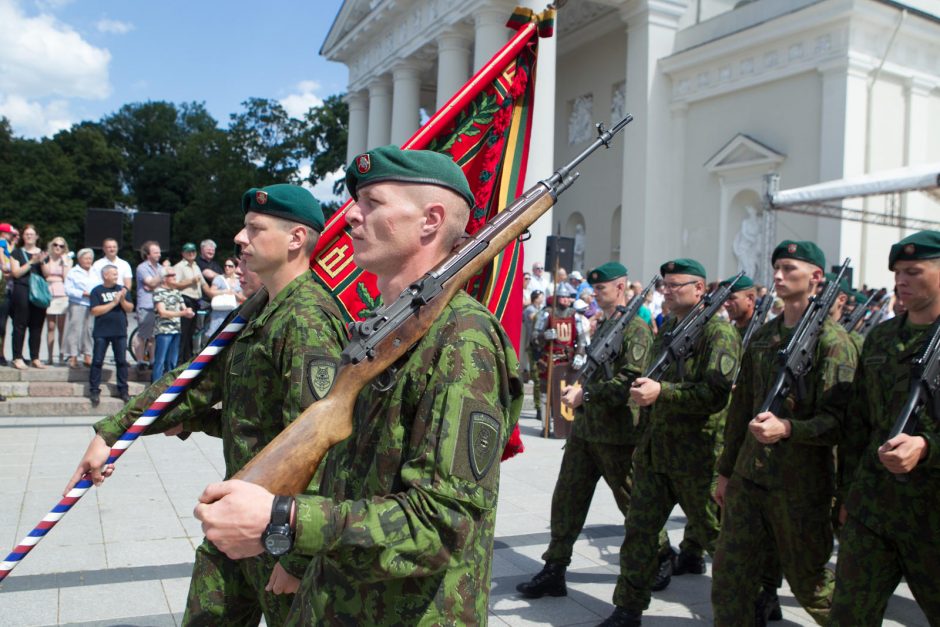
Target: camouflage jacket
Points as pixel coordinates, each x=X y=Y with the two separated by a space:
x=858 y=339
x=681 y=433
x=402 y=530
x=872 y=494
x=280 y=362
x=609 y=416
x=803 y=462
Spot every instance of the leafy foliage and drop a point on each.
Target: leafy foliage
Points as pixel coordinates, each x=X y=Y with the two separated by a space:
x=171 y=158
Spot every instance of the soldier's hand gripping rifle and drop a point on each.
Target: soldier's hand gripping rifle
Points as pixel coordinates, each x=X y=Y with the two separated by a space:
x=288 y=462
x=604 y=349
x=924 y=387
x=796 y=359
x=851 y=321
x=679 y=343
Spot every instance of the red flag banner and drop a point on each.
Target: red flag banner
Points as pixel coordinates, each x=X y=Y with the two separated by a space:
x=485 y=128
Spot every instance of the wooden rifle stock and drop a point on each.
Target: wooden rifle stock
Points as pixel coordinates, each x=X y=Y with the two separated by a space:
x=287 y=464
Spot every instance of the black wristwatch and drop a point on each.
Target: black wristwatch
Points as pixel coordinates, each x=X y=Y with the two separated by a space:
x=278 y=537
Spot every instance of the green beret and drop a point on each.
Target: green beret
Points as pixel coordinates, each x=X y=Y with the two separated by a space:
x=803 y=251
x=843 y=284
x=290 y=202
x=607 y=272
x=744 y=283
x=391 y=163
x=920 y=245
x=682 y=266
x=189 y=247
x=860 y=297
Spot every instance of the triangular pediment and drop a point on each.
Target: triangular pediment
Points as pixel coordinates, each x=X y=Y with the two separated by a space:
x=350 y=15
x=743 y=152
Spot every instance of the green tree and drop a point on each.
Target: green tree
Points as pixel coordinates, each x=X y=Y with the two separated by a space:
x=323 y=140
x=267 y=136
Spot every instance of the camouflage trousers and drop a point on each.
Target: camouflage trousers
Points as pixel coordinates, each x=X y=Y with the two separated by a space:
x=582 y=465
x=231 y=592
x=870 y=567
x=755 y=521
x=654 y=496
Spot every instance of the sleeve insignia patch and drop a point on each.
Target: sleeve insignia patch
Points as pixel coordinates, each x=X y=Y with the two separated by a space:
x=320 y=376
x=636 y=352
x=727 y=364
x=845 y=374
x=484 y=432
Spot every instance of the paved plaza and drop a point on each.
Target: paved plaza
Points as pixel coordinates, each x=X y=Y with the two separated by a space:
x=123 y=555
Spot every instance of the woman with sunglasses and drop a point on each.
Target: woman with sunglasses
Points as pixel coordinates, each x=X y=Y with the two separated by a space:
x=57 y=265
x=26 y=316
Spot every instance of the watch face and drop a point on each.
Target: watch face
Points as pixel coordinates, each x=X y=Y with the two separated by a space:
x=277 y=544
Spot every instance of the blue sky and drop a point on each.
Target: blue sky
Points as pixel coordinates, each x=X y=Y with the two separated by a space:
x=63 y=61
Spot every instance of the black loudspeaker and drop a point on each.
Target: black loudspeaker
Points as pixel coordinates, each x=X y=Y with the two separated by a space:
x=152 y=225
x=561 y=248
x=101 y=224
x=848 y=273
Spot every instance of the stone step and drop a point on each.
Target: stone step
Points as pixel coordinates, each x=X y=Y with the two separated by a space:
x=38 y=389
x=64 y=373
x=59 y=406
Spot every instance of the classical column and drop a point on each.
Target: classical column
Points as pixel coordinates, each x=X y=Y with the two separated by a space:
x=651 y=222
x=406 y=105
x=356 y=143
x=490 y=32
x=844 y=134
x=380 y=112
x=453 y=64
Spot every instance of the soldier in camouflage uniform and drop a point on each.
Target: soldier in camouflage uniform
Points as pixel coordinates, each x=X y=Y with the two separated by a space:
x=602 y=439
x=776 y=472
x=402 y=528
x=280 y=362
x=891 y=526
x=675 y=459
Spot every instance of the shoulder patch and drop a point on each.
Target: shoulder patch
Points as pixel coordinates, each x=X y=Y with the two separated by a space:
x=636 y=351
x=726 y=364
x=320 y=376
x=483 y=440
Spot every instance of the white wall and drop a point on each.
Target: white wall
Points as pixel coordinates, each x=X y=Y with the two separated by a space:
x=594 y=68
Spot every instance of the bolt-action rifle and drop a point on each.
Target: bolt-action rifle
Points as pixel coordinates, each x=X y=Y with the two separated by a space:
x=606 y=348
x=796 y=359
x=679 y=343
x=288 y=462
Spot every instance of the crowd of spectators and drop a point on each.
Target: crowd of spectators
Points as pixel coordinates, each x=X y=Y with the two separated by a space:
x=83 y=303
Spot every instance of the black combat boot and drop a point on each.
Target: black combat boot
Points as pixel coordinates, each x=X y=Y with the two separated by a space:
x=667 y=564
x=550 y=580
x=622 y=617
x=767 y=608
x=688 y=564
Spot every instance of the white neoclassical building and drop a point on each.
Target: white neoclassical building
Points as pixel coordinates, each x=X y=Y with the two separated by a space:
x=723 y=93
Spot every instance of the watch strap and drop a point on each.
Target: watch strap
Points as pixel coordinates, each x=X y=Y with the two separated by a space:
x=280 y=510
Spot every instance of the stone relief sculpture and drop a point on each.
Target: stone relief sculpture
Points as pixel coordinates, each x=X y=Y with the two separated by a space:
x=581 y=121
x=748 y=244
x=578 y=261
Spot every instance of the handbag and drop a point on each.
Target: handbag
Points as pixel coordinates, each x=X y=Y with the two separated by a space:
x=224 y=302
x=39 y=294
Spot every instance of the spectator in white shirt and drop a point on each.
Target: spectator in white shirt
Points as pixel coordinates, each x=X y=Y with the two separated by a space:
x=110 y=249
